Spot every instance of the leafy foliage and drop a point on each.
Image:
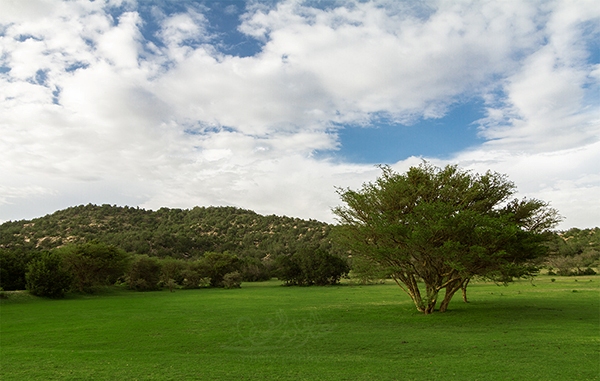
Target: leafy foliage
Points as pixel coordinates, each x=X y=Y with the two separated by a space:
x=13 y=267
x=167 y=232
x=190 y=235
x=216 y=265
x=310 y=267
x=443 y=226
x=574 y=252
x=232 y=280
x=144 y=274
x=47 y=277
x=367 y=271
x=94 y=264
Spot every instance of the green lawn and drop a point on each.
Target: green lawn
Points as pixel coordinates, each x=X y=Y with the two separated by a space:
x=541 y=331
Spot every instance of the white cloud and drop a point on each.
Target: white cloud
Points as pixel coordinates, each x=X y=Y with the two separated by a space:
x=569 y=179
x=368 y=61
x=548 y=106
x=89 y=107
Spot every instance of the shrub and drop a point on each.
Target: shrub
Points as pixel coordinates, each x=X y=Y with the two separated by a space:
x=587 y=271
x=254 y=270
x=94 y=264
x=216 y=265
x=232 y=280
x=193 y=276
x=13 y=267
x=47 y=277
x=172 y=272
x=144 y=274
x=310 y=267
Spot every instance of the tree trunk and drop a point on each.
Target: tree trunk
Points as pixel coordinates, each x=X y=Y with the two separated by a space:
x=409 y=285
x=464 y=290
x=450 y=291
x=432 y=295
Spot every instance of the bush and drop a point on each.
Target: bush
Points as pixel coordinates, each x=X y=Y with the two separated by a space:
x=216 y=265
x=254 y=270
x=47 y=277
x=310 y=267
x=172 y=272
x=13 y=267
x=192 y=276
x=232 y=280
x=144 y=274
x=94 y=264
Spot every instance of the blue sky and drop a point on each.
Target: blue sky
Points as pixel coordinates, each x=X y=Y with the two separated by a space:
x=271 y=105
x=384 y=141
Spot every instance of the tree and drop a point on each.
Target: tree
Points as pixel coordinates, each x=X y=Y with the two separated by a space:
x=442 y=226
x=13 y=267
x=216 y=265
x=94 y=264
x=312 y=266
x=574 y=252
x=172 y=272
x=144 y=274
x=47 y=277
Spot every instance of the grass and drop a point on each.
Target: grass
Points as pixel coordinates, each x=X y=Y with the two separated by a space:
x=541 y=331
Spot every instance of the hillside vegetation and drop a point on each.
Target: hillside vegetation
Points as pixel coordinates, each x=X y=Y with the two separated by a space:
x=85 y=247
x=574 y=251
x=177 y=233
x=207 y=244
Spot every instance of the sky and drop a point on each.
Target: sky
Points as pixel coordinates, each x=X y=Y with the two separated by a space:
x=272 y=105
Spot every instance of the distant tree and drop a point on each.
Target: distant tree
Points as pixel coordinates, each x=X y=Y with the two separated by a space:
x=216 y=265
x=254 y=269
x=443 y=226
x=193 y=276
x=574 y=252
x=172 y=272
x=47 y=277
x=144 y=274
x=366 y=271
x=94 y=264
x=13 y=267
x=312 y=267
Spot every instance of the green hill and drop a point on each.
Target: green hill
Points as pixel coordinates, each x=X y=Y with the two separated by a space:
x=179 y=233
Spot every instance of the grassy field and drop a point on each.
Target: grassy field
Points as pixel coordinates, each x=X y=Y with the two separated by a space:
x=528 y=331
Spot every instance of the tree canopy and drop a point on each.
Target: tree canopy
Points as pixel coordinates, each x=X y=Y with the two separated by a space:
x=443 y=226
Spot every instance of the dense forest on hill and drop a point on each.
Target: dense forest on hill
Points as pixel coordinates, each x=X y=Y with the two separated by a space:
x=177 y=233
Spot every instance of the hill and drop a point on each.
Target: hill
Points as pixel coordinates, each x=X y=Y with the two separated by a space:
x=178 y=233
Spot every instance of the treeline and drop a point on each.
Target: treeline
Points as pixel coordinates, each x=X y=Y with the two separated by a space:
x=174 y=248
x=574 y=252
x=205 y=247
x=89 y=266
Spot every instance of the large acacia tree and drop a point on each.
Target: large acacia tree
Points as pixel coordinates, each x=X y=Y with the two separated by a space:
x=442 y=226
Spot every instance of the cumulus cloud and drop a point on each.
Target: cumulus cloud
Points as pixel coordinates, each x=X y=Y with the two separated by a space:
x=90 y=105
